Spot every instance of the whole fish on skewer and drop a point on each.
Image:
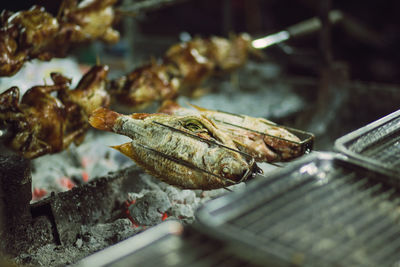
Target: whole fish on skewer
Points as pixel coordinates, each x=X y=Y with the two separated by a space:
x=261 y=138
x=184 y=151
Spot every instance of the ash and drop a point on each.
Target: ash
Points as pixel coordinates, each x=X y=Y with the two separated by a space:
x=90 y=240
x=150 y=202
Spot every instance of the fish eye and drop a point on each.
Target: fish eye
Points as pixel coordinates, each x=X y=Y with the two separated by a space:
x=225 y=170
x=193 y=125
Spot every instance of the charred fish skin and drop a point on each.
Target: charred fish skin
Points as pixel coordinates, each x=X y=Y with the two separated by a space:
x=177 y=159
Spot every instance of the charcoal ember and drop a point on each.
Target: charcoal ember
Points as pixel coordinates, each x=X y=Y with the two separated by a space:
x=181 y=196
x=150 y=207
x=182 y=212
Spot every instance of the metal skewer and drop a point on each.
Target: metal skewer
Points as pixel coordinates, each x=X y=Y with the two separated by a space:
x=250 y=172
x=299 y=29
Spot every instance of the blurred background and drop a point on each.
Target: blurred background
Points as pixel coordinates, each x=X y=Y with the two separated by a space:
x=334 y=81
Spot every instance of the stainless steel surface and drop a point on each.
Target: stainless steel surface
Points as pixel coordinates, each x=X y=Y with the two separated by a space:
x=115 y=253
x=167 y=244
x=323 y=210
x=376 y=145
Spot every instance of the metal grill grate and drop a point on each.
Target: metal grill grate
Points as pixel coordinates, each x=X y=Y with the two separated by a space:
x=376 y=145
x=324 y=212
x=166 y=245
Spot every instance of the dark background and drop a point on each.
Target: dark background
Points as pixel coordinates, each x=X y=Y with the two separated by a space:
x=376 y=59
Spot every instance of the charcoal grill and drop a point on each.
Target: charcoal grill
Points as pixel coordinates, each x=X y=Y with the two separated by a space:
x=376 y=145
x=166 y=244
x=323 y=210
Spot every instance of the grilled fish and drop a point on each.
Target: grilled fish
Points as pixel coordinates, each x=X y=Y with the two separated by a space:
x=185 y=151
x=258 y=137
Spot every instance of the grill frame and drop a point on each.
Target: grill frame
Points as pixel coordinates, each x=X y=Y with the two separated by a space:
x=168 y=244
x=215 y=218
x=344 y=144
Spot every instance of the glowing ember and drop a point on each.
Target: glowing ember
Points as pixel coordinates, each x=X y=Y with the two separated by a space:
x=85 y=176
x=38 y=193
x=85 y=161
x=67 y=183
x=128 y=214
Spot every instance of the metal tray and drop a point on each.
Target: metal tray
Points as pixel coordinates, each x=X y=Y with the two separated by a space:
x=167 y=244
x=320 y=211
x=376 y=145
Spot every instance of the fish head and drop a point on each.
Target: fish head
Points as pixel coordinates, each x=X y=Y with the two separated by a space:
x=233 y=168
x=227 y=162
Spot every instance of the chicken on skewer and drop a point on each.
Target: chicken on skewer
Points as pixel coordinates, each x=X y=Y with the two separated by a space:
x=35 y=33
x=42 y=123
x=184 y=68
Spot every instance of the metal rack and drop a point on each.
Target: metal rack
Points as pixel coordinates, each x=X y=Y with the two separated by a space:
x=166 y=245
x=323 y=210
x=376 y=145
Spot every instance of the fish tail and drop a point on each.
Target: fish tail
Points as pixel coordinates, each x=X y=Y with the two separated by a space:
x=198 y=108
x=103 y=119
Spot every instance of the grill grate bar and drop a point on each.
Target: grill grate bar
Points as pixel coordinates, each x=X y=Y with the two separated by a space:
x=377 y=244
x=282 y=219
x=343 y=215
x=338 y=210
x=364 y=141
x=293 y=219
x=387 y=153
x=390 y=253
x=255 y=214
x=385 y=248
x=369 y=226
x=285 y=208
x=375 y=146
x=324 y=210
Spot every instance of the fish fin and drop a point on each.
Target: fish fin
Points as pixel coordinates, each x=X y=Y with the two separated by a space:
x=198 y=108
x=125 y=149
x=103 y=119
x=168 y=107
